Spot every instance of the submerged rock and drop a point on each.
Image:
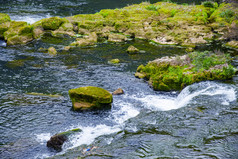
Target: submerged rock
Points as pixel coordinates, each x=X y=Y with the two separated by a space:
x=56 y=142
x=174 y=73
x=90 y=97
x=132 y=49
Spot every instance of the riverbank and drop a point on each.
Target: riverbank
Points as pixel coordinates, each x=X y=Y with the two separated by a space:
x=162 y=23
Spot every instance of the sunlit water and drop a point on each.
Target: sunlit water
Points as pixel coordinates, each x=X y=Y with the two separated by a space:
x=198 y=122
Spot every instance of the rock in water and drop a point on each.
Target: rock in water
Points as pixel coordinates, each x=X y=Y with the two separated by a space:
x=119 y=91
x=90 y=97
x=56 y=142
x=132 y=50
x=52 y=51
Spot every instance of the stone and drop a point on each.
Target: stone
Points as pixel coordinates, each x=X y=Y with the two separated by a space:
x=4 y=18
x=52 y=51
x=119 y=91
x=52 y=23
x=90 y=97
x=90 y=40
x=174 y=73
x=56 y=142
x=67 y=48
x=232 y=44
x=116 y=37
x=114 y=61
x=132 y=50
x=37 y=32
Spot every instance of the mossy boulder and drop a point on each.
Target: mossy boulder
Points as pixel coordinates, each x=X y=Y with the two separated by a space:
x=232 y=44
x=56 y=142
x=52 y=51
x=4 y=18
x=114 y=61
x=18 y=33
x=132 y=50
x=52 y=23
x=174 y=73
x=90 y=97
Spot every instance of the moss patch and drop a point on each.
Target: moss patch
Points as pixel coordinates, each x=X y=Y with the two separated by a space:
x=95 y=97
x=177 y=72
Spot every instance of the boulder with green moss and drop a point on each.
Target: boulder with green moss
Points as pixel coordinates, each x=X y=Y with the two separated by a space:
x=56 y=142
x=18 y=33
x=174 y=73
x=52 y=51
x=4 y=18
x=132 y=50
x=114 y=61
x=90 y=97
x=232 y=44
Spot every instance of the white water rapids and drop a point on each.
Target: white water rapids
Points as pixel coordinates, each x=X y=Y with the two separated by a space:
x=122 y=111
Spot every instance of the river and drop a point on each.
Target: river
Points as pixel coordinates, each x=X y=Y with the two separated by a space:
x=201 y=121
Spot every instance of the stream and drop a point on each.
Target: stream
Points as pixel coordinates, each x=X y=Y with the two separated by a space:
x=200 y=122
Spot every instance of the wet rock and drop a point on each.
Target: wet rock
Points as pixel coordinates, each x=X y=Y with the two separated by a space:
x=119 y=91
x=116 y=37
x=52 y=23
x=174 y=73
x=232 y=44
x=67 y=48
x=4 y=18
x=84 y=98
x=18 y=33
x=132 y=50
x=114 y=61
x=37 y=32
x=90 y=40
x=4 y=27
x=52 y=51
x=56 y=142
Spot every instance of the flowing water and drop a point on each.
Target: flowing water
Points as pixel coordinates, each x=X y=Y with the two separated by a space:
x=198 y=122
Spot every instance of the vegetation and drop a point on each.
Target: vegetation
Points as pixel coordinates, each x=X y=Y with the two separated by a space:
x=177 y=72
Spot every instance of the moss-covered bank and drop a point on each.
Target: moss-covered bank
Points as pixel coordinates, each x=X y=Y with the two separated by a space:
x=174 y=73
x=162 y=22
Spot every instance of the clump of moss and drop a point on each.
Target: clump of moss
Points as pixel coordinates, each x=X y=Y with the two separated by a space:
x=177 y=72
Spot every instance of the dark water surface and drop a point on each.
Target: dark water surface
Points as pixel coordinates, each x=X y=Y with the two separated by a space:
x=199 y=122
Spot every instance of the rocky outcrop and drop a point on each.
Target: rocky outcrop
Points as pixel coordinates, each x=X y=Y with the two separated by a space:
x=89 y=40
x=85 y=98
x=174 y=73
x=162 y=22
x=56 y=142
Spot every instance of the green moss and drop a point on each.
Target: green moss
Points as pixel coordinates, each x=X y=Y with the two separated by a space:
x=4 y=18
x=175 y=74
x=96 y=97
x=114 y=61
x=52 y=23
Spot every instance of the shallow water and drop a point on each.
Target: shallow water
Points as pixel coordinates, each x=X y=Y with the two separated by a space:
x=198 y=122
